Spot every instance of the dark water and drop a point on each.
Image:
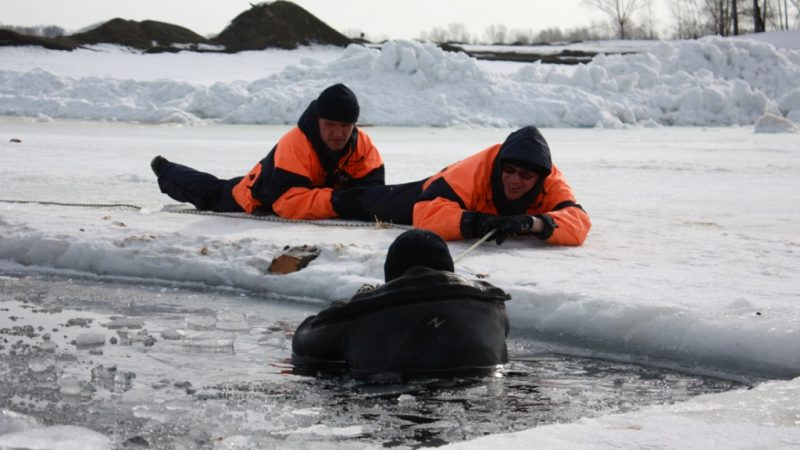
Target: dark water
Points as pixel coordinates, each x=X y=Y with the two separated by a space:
x=531 y=391
x=221 y=383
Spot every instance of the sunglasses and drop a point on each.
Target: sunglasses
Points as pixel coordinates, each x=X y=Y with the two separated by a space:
x=526 y=175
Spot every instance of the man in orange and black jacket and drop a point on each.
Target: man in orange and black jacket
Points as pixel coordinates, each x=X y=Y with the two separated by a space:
x=310 y=174
x=512 y=188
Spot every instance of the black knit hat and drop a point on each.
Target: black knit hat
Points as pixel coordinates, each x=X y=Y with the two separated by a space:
x=338 y=103
x=417 y=248
x=528 y=149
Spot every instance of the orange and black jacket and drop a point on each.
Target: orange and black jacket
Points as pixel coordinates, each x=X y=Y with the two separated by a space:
x=298 y=176
x=452 y=198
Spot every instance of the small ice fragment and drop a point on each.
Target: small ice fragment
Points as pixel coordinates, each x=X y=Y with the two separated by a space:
x=214 y=345
x=173 y=334
x=405 y=398
x=90 y=340
x=48 y=346
x=201 y=322
x=124 y=322
x=112 y=379
x=39 y=365
x=70 y=386
x=315 y=411
x=79 y=322
x=232 y=322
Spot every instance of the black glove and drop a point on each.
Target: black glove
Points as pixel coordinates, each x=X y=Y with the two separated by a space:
x=510 y=226
x=345 y=203
x=476 y=225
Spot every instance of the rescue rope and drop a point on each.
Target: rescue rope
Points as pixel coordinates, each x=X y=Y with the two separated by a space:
x=267 y=218
x=82 y=205
x=475 y=245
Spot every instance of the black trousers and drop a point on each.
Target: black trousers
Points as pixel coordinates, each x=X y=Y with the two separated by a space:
x=392 y=203
x=203 y=190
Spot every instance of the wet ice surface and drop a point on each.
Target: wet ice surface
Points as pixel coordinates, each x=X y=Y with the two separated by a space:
x=165 y=366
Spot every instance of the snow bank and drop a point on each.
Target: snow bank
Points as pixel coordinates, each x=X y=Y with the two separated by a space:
x=711 y=81
x=764 y=417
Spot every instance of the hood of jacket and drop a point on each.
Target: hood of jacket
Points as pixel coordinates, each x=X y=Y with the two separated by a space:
x=528 y=149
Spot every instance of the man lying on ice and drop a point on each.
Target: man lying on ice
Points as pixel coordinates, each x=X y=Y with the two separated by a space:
x=303 y=177
x=512 y=187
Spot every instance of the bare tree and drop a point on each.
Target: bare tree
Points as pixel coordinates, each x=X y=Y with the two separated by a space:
x=759 y=18
x=649 y=19
x=719 y=13
x=784 y=15
x=620 y=12
x=455 y=32
x=795 y=12
x=521 y=37
x=496 y=34
x=458 y=33
x=436 y=35
x=687 y=15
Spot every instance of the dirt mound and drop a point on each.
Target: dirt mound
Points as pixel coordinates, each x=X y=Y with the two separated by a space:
x=280 y=24
x=143 y=35
x=12 y=38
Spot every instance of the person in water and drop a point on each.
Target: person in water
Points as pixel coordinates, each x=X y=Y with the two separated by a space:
x=309 y=174
x=426 y=318
x=513 y=188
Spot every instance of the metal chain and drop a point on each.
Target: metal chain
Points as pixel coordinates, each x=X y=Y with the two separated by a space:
x=267 y=218
x=82 y=205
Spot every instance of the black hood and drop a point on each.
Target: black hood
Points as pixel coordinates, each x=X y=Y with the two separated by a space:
x=309 y=125
x=526 y=148
x=416 y=248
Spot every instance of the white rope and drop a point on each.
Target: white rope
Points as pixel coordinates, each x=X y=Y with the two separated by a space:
x=475 y=245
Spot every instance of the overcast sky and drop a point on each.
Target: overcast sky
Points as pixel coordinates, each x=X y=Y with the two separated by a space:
x=393 y=19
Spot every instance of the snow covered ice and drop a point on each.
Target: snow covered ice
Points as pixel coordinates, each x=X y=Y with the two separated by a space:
x=686 y=159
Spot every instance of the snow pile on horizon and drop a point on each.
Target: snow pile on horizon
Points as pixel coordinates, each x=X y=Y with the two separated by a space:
x=707 y=82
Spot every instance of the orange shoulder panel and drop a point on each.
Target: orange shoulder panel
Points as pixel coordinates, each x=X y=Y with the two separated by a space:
x=469 y=179
x=294 y=153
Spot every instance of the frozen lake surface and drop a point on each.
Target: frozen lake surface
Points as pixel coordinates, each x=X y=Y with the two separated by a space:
x=689 y=269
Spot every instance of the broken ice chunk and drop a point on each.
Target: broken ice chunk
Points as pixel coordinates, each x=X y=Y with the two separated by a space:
x=124 y=322
x=90 y=340
x=172 y=334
